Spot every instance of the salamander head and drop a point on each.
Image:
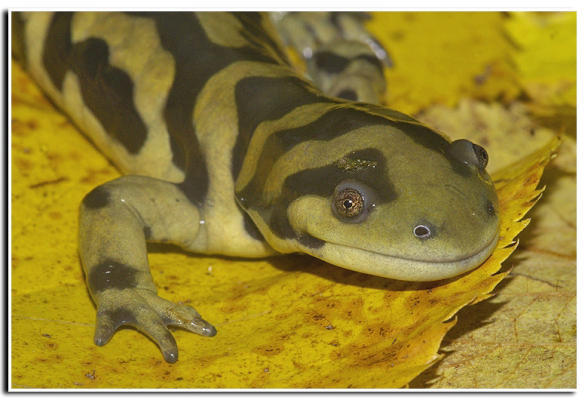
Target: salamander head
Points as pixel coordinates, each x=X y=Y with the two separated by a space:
x=394 y=199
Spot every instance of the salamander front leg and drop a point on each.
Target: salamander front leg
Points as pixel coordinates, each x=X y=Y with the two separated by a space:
x=116 y=219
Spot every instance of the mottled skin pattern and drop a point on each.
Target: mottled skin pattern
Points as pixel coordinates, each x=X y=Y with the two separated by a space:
x=227 y=151
x=342 y=58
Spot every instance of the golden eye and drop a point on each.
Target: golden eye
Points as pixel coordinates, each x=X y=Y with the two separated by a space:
x=353 y=201
x=348 y=203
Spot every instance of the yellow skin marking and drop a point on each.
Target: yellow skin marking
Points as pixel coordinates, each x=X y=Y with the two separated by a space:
x=355 y=164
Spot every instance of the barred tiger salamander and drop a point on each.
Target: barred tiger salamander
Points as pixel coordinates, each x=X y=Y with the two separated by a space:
x=227 y=150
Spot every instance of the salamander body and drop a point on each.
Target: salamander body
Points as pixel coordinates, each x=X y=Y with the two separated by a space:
x=225 y=149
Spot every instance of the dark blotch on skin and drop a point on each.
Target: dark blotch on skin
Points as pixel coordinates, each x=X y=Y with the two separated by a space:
x=19 y=50
x=279 y=223
x=321 y=181
x=334 y=63
x=178 y=154
x=255 y=33
x=310 y=241
x=358 y=15
x=339 y=121
x=97 y=198
x=57 y=48
x=106 y=90
x=328 y=126
x=111 y=275
x=334 y=19
x=121 y=316
x=195 y=184
x=309 y=28
x=251 y=228
x=372 y=60
x=347 y=94
x=330 y=62
x=261 y=99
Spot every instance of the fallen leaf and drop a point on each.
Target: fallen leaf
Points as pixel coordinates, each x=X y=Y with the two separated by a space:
x=440 y=57
x=546 y=56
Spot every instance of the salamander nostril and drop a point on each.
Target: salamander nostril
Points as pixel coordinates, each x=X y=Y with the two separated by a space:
x=490 y=208
x=422 y=232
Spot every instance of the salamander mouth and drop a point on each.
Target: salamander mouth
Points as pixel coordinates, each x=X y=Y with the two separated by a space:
x=402 y=268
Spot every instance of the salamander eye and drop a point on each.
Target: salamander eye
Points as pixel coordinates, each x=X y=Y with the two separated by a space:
x=352 y=201
x=481 y=155
x=348 y=203
x=469 y=153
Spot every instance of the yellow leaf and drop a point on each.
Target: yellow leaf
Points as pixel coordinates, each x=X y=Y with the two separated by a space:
x=441 y=56
x=546 y=56
x=290 y=321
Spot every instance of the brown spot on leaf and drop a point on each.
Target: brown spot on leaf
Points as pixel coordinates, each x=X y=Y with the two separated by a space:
x=269 y=350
